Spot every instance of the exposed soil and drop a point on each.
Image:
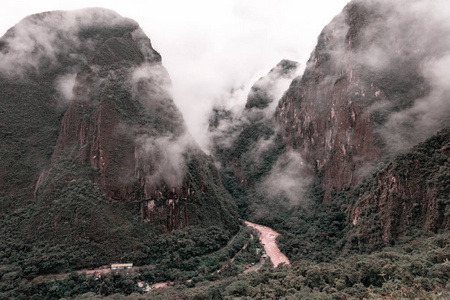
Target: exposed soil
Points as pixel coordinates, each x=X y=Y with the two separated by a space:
x=160 y=285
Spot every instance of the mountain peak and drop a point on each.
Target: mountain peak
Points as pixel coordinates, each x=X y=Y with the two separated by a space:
x=267 y=88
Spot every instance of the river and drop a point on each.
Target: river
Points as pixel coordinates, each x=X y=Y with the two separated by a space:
x=268 y=238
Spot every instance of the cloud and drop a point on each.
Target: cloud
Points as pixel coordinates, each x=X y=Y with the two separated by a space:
x=151 y=82
x=427 y=115
x=163 y=144
x=395 y=55
x=216 y=59
x=282 y=190
x=411 y=41
x=163 y=158
x=266 y=92
x=151 y=85
x=288 y=180
x=64 y=85
x=231 y=117
x=39 y=39
x=211 y=48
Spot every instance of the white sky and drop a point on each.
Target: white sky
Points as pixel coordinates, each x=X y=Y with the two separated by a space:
x=210 y=47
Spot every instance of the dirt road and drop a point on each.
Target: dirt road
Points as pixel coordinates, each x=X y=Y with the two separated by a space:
x=268 y=240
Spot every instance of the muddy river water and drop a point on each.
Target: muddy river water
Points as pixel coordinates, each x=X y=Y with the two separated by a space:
x=268 y=238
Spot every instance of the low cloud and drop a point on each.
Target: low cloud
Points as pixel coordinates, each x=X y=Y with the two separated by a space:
x=396 y=57
x=164 y=158
x=288 y=180
x=282 y=190
x=151 y=85
x=415 y=39
x=165 y=143
x=64 y=85
x=427 y=115
x=231 y=116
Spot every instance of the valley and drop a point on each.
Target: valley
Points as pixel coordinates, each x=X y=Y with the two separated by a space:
x=340 y=166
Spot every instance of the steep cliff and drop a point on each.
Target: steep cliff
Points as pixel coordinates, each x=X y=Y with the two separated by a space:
x=123 y=123
x=364 y=94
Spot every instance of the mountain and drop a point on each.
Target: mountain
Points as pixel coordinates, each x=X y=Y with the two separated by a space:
x=95 y=154
x=370 y=90
x=411 y=193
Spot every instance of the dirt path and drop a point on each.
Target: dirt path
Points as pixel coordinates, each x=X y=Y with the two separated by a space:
x=268 y=240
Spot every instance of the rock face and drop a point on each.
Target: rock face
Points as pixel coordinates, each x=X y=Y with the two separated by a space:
x=41 y=56
x=364 y=86
x=112 y=121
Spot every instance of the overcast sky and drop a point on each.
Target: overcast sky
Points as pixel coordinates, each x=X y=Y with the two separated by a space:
x=213 y=50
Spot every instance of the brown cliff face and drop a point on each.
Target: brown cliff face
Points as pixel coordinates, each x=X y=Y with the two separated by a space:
x=94 y=128
x=366 y=70
x=412 y=192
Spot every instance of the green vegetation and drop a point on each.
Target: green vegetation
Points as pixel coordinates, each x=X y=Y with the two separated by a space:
x=249 y=164
x=333 y=259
